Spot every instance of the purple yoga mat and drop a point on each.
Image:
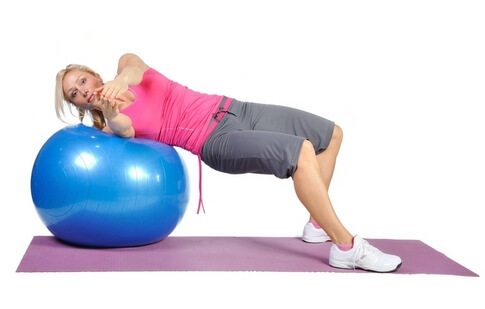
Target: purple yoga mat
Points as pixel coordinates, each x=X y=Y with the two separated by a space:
x=276 y=254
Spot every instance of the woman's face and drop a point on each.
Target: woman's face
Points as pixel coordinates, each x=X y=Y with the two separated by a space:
x=79 y=88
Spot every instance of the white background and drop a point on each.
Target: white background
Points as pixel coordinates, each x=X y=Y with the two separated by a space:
x=404 y=79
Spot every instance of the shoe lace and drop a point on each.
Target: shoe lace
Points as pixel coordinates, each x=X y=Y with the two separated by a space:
x=364 y=250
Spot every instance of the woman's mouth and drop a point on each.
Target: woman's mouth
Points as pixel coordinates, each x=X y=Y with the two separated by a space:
x=91 y=98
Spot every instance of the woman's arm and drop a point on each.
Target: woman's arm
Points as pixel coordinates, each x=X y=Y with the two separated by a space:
x=117 y=123
x=130 y=72
x=131 y=69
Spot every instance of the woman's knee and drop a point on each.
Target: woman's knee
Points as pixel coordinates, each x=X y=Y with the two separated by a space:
x=307 y=159
x=338 y=133
x=337 y=136
x=307 y=152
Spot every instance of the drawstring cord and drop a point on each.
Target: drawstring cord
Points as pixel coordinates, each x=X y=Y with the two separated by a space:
x=201 y=203
x=221 y=110
x=224 y=105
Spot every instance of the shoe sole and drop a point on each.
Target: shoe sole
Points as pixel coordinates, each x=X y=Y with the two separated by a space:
x=371 y=270
x=314 y=240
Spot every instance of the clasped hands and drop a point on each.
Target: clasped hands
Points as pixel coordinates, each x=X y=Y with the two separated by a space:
x=108 y=97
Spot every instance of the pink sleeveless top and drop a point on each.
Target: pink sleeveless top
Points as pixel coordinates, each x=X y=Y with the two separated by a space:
x=170 y=113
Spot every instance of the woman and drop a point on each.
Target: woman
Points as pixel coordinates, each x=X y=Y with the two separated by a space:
x=229 y=136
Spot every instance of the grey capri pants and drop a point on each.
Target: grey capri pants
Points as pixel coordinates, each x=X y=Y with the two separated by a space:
x=263 y=139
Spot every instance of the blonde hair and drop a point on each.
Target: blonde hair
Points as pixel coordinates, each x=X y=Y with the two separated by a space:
x=60 y=99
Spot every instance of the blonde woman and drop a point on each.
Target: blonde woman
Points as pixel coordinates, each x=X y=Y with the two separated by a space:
x=228 y=135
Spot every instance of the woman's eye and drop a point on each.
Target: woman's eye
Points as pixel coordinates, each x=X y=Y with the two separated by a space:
x=73 y=94
x=83 y=81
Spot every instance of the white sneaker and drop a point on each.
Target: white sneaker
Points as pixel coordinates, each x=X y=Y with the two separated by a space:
x=314 y=235
x=364 y=256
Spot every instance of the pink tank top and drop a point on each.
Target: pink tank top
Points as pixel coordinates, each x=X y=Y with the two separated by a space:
x=170 y=113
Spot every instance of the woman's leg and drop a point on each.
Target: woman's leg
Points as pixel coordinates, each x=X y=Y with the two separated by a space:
x=327 y=159
x=311 y=179
x=312 y=190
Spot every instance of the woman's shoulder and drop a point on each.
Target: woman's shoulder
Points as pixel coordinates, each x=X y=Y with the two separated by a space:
x=153 y=74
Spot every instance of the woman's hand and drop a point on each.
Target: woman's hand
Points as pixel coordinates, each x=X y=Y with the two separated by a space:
x=109 y=108
x=111 y=90
x=117 y=123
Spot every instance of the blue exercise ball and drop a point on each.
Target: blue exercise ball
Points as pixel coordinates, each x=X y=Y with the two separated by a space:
x=94 y=189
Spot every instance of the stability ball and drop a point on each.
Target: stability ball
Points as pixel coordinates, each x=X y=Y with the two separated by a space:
x=94 y=189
